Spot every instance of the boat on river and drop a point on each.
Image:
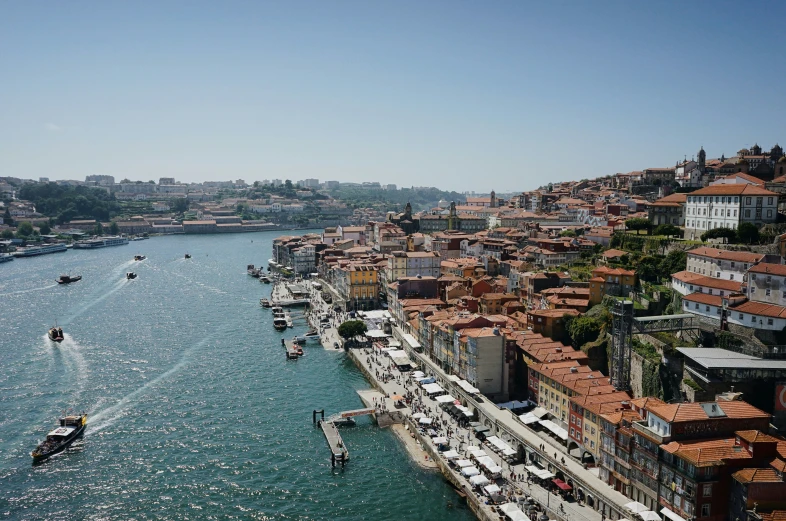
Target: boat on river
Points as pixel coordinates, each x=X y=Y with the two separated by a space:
x=6 y=258
x=280 y=323
x=313 y=334
x=68 y=279
x=130 y=275
x=55 y=334
x=265 y=303
x=289 y=320
x=254 y=272
x=71 y=427
x=292 y=302
x=100 y=242
x=188 y=255
x=139 y=257
x=264 y=278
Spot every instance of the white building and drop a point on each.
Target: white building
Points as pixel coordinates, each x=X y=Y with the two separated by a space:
x=739 y=311
x=723 y=264
x=766 y=282
x=728 y=206
x=685 y=283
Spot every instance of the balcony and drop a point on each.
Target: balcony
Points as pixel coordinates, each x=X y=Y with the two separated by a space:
x=642 y=428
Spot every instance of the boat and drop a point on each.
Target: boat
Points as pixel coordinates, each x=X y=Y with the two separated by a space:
x=55 y=334
x=277 y=310
x=280 y=324
x=264 y=278
x=292 y=302
x=68 y=279
x=188 y=255
x=130 y=275
x=312 y=335
x=33 y=251
x=6 y=258
x=299 y=339
x=344 y=422
x=139 y=257
x=138 y=239
x=265 y=303
x=254 y=272
x=71 y=427
x=100 y=242
x=289 y=320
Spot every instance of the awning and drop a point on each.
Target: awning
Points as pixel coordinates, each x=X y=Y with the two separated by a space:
x=425 y=421
x=445 y=398
x=540 y=412
x=635 y=506
x=555 y=429
x=480 y=428
x=418 y=415
x=468 y=387
x=453 y=378
x=450 y=454
x=492 y=489
x=425 y=381
x=528 y=418
x=479 y=480
x=396 y=397
x=561 y=484
x=463 y=463
x=433 y=388
x=470 y=471
x=671 y=515
x=649 y=515
x=440 y=440
x=418 y=374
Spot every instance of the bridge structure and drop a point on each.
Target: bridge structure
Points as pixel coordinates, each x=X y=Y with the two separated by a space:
x=338 y=450
x=664 y=323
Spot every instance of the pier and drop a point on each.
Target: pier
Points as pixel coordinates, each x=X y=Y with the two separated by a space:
x=292 y=349
x=338 y=451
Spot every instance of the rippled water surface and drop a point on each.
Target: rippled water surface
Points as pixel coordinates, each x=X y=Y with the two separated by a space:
x=194 y=413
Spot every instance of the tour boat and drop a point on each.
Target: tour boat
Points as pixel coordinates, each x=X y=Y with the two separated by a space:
x=265 y=303
x=100 y=242
x=68 y=279
x=139 y=257
x=33 y=251
x=71 y=427
x=188 y=255
x=6 y=258
x=130 y=275
x=280 y=324
x=55 y=334
x=254 y=272
x=289 y=320
x=264 y=278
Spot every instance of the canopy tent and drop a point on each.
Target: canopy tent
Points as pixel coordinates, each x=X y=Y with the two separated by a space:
x=396 y=397
x=468 y=387
x=418 y=415
x=477 y=453
x=513 y=512
x=418 y=374
x=433 y=388
x=465 y=411
x=440 y=440
x=539 y=473
x=425 y=421
x=499 y=444
x=636 y=507
x=402 y=361
x=671 y=515
x=508 y=452
x=450 y=454
x=528 y=418
x=485 y=461
x=561 y=484
x=555 y=429
x=425 y=381
x=463 y=463
x=479 y=480
x=480 y=428
x=445 y=398
x=649 y=515
x=471 y=471
x=540 y=412
x=376 y=333
x=471 y=448
x=492 y=489
x=515 y=404
x=494 y=469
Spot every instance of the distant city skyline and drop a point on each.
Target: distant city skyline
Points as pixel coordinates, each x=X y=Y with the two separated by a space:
x=509 y=96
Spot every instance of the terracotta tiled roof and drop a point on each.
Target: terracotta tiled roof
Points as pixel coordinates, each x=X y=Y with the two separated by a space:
x=755 y=436
x=747 y=177
x=733 y=189
x=768 y=268
x=757 y=476
x=671 y=200
x=739 y=256
x=687 y=412
x=614 y=253
x=708 y=282
x=759 y=308
x=605 y=270
x=704 y=453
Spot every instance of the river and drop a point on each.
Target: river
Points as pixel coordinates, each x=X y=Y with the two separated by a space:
x=194 y=413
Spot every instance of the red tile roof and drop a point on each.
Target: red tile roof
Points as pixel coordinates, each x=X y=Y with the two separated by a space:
x=757 y=476
x=687 y=412
x=708 y=282
x=769 y=269
x=733 y=189
x=739 y=256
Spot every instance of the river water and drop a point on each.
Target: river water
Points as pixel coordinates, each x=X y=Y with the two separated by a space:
x=194 y=413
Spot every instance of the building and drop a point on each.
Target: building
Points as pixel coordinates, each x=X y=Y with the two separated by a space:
x=616 y=282
x=413 y=263
x=728 y=206
x=686 y=282
x=358 y=285
x=550 y=322
x=724 y=264
x=766 y=282
x=668 y=210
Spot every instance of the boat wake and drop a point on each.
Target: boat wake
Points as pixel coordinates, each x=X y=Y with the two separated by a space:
x=107 y=417
x=80 y=310
x=31 y=290
x=75 y=361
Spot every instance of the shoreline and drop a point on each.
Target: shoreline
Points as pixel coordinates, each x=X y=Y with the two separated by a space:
x=420 y=457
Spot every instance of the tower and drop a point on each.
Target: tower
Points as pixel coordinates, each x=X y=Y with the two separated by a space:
x=756 y=150
x=621 y=340
x=493 y=199
x=702 y=159
x=776 y=153
x=452 y=216
x=408 y=212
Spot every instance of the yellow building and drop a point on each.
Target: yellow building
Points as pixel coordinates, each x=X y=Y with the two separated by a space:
x=616 y=282
x=360 y=286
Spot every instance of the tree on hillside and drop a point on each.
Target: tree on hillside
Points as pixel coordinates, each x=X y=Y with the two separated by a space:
x=24 y=229
x=179 y=205
x=667 y=229
x=7 y=219
x=567 y=233
x=114 y=229
x=748 y=233
x=584 y=329
x=676 y=260
x=45 y=229
x=351 y=329
x=719 y=233
x=7 y=234
x=98 y=229
x=636 y=224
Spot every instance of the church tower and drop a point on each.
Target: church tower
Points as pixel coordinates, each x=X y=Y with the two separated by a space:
x=702 y=159
x=493 y=199
x=452 y=217
x=776 y=153
x=408 y=212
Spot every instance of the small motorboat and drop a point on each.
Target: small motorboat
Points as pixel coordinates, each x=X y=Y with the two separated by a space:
x=130 y=275
x=299 y=340
x=344 y=422
x=280 y=324
x=68 y=279
x=265 y=303
x=139 y=257
x=55 y=334
x=264 y=278
x=188 y=255
x=71 y=428
x=254 y=272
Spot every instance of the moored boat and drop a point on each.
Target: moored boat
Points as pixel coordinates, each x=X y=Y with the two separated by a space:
x=130 y=275
x=264 y=278
x=55 y=334
x=6 y=258
x=139 y=257
x=254 y=272
x=313 y=334
x=280 y=324
x=71 y=427
x=265 y=303
x=68 y=279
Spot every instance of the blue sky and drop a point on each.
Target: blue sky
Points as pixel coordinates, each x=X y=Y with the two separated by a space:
x=507 y=95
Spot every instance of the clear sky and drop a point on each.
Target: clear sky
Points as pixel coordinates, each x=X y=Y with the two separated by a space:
x=462 y=95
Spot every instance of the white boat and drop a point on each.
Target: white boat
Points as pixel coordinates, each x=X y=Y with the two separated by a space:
x=291 y=302
x=6 y=258
x=33 y=251
x=289 y=320
x=280 y=324
x=100 y=242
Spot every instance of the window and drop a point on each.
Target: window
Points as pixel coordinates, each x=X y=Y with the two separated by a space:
x=716 y=212
x=705 y=508
x=753 y=289
x=747 y=200
x=769 y=322
x=572 y=432
x=731 y=276
x=769 y=213
x=697 y=305
x=741 y=317
x=753 y=318
x=706 y=490
x=747 y=213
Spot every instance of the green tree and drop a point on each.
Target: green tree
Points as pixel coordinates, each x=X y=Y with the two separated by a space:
x=567 y=233
x=719 y=233
x=667 y=230
x=351 y=329
x=584 y=329
x=45 y=229
x=748 y=233
x=7 y=219
x=114 y=229
x=98 y=229
x=24 y=229
x=179 y=205
x=7 y=234
x=676 y=260
x=637 y=223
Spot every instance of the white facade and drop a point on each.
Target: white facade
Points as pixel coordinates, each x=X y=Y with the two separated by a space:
x=705 y=211
x=735 y=316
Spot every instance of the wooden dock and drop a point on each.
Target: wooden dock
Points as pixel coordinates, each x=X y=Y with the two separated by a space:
x=338 y=451
x=293 y=350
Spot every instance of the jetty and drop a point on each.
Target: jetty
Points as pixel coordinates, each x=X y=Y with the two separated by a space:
x=292 y=349
x=338 y=451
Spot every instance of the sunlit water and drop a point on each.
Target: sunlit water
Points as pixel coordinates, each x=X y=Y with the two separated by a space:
x=194 y=413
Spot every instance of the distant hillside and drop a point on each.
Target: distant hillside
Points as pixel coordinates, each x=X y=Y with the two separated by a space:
x=420 y=198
